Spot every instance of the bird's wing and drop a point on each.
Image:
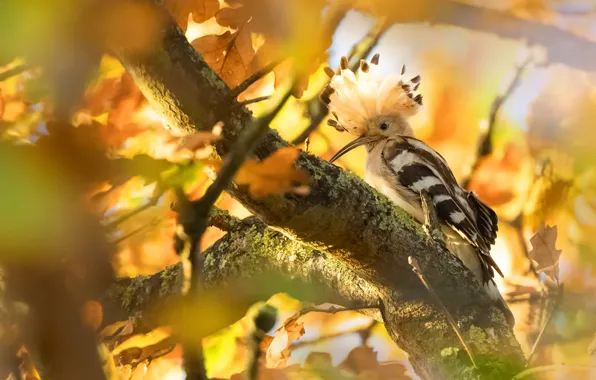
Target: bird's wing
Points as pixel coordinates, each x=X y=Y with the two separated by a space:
x=417 y=168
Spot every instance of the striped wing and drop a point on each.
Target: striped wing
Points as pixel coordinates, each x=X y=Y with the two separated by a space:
x=417 y=167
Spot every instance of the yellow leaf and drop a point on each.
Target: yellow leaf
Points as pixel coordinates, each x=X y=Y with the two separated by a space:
x=274 y=175
x=202 y=10
x=143 y=340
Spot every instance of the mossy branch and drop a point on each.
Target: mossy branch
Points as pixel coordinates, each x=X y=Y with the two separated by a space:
x=253 y=262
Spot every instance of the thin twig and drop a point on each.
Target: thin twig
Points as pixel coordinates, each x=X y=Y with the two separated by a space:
x=12 y=72
x=263 y=322
x=364 y=332
x=152 y=202
x=546 y=323
x=485 y=147
x=416 y=268
x=253 y=78
x=135 y=231
x=359 y=51
x=334 y=310
x=250 y=101
x=193 y=217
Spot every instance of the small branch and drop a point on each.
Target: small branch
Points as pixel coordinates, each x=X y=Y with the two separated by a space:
x=334 y=310
x=7 y=74
x=558 y=300
x=359 y=51
x=485 y=146
x=223 y=220
x=135 y=231
x=416 y=268
x=152 y=202
x=364 y=333
x=250 y=101
x=244 y=146
x=264 y=321
x=253 y=78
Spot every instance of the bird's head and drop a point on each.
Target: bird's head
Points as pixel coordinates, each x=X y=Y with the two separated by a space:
x=368 y=105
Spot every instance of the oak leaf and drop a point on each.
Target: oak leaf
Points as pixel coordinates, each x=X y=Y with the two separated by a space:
x=544 y=254
x=274 y=175
x=280 y=348
x=228 y=54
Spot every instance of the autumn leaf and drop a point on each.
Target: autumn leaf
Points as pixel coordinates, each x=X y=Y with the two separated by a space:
x=280 y=348
x=544 y=254
x=197 y=141
x=229 y=54
x=274 y=175
x=201 y=10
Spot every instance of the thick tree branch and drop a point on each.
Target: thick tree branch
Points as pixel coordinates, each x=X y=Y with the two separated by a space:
x=359 y=228
x=249 y=256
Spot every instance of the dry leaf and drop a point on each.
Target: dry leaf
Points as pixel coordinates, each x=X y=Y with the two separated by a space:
x=274 y=175
x=228 y=54
x=360 y=359
x=544 y=254
x=197 y=140
x=202 y=10
x=92 y=314
x=232 y=17
x=280 y=348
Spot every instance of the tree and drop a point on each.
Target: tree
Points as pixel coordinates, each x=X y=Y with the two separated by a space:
x=340 y=242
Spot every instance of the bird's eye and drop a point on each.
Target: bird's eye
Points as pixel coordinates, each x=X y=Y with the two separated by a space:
x=383 y=126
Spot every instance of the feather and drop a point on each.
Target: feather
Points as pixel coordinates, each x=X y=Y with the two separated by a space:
x=416 y=167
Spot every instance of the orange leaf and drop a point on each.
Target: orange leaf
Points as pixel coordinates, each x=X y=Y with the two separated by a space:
x=202 y=10
x=92 y=314
x=228 y=54
x=274 y=175
x=197 y=141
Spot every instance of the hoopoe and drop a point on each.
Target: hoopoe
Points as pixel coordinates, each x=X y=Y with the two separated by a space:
x=400 y=166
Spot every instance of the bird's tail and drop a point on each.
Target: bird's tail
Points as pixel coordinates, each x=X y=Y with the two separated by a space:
x=495 y=295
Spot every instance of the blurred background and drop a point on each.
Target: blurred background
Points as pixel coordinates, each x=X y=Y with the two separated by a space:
x=510 y=102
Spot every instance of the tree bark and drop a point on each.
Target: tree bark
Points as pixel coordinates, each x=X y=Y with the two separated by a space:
x=250 y=263
x=357 y=227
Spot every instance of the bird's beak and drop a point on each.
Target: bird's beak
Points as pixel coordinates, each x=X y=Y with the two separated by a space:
x=354 y=144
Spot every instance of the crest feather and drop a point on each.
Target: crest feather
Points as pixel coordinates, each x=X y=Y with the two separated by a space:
x=354 y=98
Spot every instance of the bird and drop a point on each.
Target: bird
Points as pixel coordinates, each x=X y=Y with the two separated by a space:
x=376 y=109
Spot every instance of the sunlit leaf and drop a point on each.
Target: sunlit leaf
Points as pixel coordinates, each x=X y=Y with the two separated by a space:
x=229 y=54
x=280 y=348
x=274 y=175
x=201 y=10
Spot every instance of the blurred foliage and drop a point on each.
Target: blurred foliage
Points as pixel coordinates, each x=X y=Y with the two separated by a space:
x=92 y=188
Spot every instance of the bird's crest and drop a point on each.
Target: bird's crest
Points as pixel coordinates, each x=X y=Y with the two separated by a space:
x=355 y=97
